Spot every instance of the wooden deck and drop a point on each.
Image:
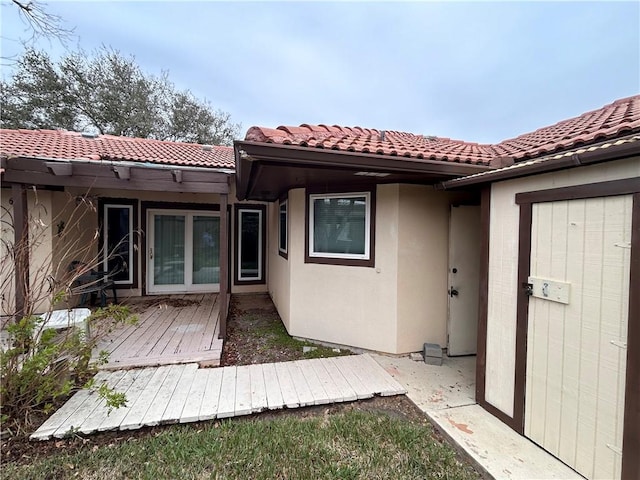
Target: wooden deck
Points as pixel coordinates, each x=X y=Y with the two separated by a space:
x=171 y=330
x=185 y=393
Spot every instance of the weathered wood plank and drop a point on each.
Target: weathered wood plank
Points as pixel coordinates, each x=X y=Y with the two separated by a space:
x=101 y=412
x=243 y=391
x=331 y=389
x=393 y=387
x=61 y=415
x=156 y=410
x=193 y=404
x=138 y=411
x=303 y=392
x=209 y=407
x=272 y=386
x=346 y=390
x=211 y=357
x=202 y=339
x=258 y=389
x=381 y=382
x=315 y=385
x=141 y=378
x=178 y=399
x=347 y=368
x=288 y=389
x=227 y=402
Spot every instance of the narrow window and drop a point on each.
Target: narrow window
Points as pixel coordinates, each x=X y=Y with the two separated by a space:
x=282 y=230
x=250 y=244
x=340 y=227
x=118 y=242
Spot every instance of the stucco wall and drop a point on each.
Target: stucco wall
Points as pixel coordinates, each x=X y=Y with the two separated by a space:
x=40 y=253
x=394 y=307
x=503 y=267
x=347 y=305
x=423 y=243
x=278 y=273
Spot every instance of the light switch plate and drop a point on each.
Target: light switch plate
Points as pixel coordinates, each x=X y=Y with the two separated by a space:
x=553 y=290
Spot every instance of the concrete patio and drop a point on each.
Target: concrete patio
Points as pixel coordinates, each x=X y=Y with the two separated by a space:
x=447 y=395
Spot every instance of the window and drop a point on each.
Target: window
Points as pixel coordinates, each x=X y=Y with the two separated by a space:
x=117 y=242
x=282 y=229
x=250 y=244
x=340 y=228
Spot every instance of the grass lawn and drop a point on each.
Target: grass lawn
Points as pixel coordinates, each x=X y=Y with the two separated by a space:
x=346 y=444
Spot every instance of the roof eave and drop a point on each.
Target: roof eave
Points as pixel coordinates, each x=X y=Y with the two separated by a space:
x=577 y=159
x=249 y=153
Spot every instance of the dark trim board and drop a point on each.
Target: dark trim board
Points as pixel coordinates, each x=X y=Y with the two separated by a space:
x=580 y=192
x=522 y=316
x=483 y=302
x=631 y=438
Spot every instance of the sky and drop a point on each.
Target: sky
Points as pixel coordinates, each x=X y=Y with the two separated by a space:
x=476 y=71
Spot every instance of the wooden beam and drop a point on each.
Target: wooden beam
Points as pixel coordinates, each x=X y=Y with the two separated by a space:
x=123 y=173
x=99 y=169
x=59 y=168
x=224 y=265
x=137 y=182
x=21 y=248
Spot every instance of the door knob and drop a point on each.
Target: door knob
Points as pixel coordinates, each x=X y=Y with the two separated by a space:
x=453 y=292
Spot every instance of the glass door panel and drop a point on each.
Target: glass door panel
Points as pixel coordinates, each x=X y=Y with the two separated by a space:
x=206 y=250
x=169 y=249
x=184 y=252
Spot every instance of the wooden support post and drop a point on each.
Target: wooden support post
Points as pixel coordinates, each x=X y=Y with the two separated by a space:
x=224 y=264
x=21 y=248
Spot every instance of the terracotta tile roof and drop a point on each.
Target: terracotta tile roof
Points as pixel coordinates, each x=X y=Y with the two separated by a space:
x=620 y=117
x=62 y=144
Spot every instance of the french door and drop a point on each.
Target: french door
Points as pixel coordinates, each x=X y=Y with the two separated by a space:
x=183 y=251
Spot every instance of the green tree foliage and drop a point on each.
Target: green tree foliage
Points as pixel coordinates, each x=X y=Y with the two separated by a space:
x=107 y=93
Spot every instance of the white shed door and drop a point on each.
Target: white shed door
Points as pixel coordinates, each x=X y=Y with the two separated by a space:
x=576 y=352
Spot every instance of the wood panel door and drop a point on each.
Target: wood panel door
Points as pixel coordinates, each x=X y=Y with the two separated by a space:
x=576 y=341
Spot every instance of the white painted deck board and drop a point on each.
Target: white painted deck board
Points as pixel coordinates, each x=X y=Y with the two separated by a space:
x=303 y=392
x=47 y=429
x=258 y=389
x=209 y=406
x=180 y=393
x=288 y=389
x=118 y=416
x=348 y=370
x=156 y=410
x=243 y=391
x=193 y=403
x=227 y=402
x=184 y=393
x=330 y=387
x=272 y=386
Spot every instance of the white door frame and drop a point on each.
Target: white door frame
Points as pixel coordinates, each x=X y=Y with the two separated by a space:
x=188 y=286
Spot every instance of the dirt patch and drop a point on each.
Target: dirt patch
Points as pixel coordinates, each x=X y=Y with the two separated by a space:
x=161 y=302
x=256 y=334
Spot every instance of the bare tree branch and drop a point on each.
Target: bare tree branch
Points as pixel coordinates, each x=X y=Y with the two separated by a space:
x=41 y=22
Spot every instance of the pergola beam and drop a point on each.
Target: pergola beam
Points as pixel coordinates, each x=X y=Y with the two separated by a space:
x=20 y=248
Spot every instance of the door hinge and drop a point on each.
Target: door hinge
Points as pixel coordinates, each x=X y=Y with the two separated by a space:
x=528 y=288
